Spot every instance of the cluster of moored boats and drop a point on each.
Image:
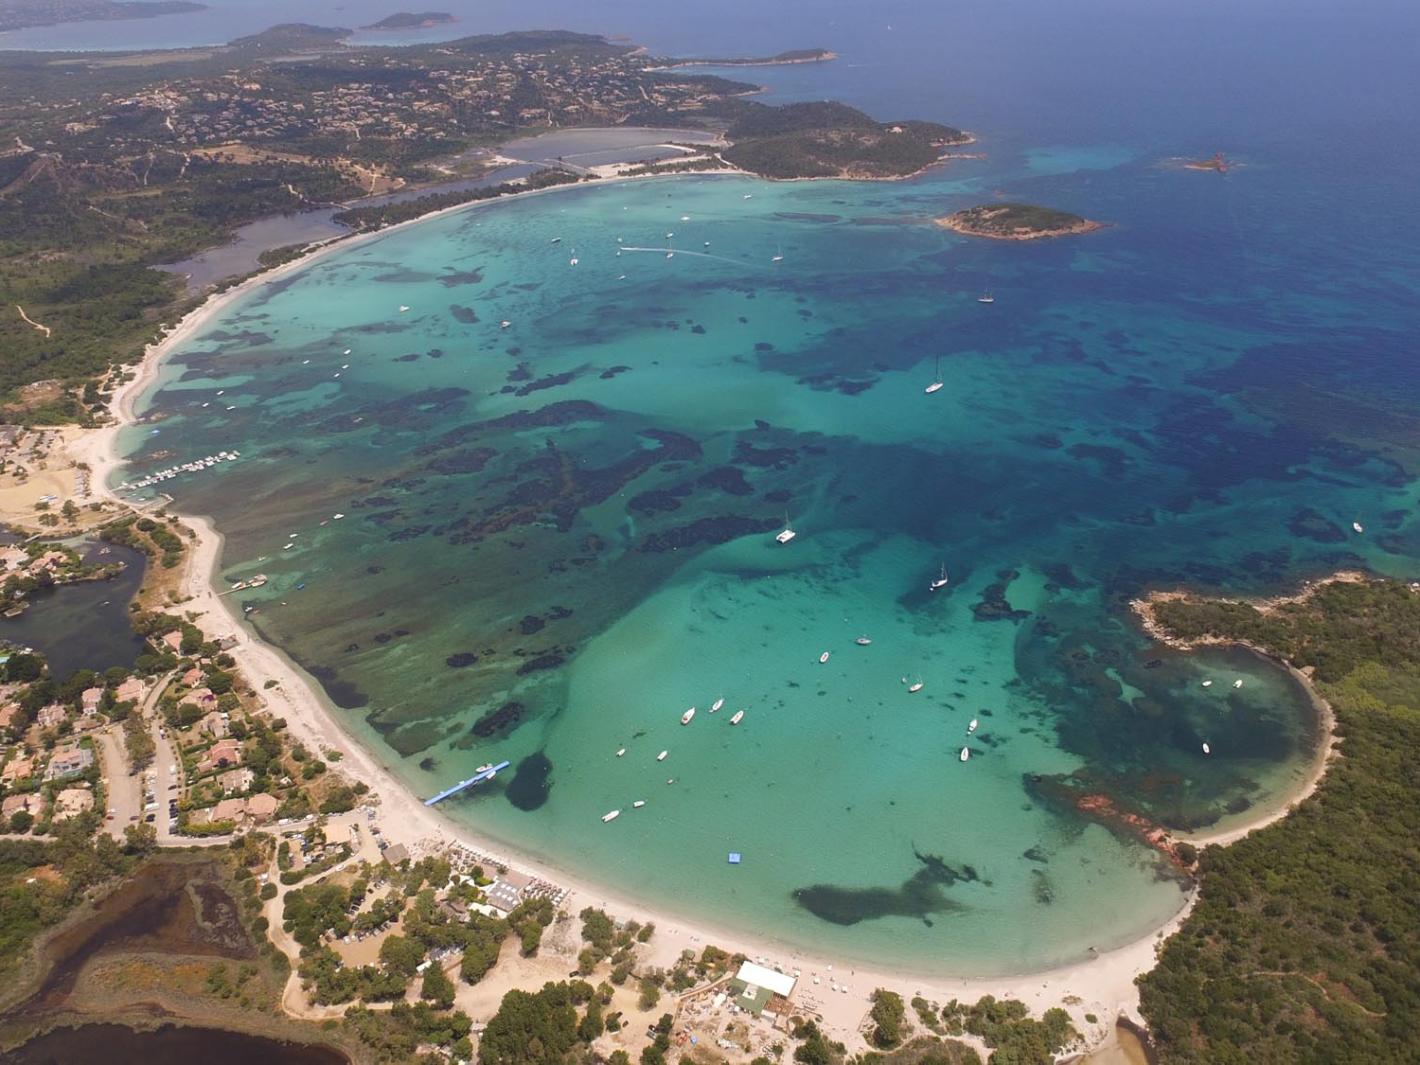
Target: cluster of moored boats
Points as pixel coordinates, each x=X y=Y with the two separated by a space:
x=195 y=466
x=685 y=718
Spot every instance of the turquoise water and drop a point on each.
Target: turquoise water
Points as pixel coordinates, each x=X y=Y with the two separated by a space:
x=559 y=535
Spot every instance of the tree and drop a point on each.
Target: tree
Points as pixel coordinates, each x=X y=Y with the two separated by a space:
x=438 y=988
x=530 y=1029
x=140 y=839
x=21 y=821
x=888 y=1014
x=402 y=955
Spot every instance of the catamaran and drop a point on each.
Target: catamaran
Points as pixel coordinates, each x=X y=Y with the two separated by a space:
x=788 y=533
x=574 y=260
x=937 y=382
x=941 y=581
x=688 y=716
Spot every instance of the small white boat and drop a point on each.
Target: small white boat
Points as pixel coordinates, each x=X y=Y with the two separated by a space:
x=620 y=751
x=670 y=780
x=610 y=815
x=638 y=804
x=1237 y=683
x=965 y=753
x=1358 y=526
x=621 y=277
x=863 y=641
x=823 y=658
x=986 y=297
x=403 y=307
x=1207 y=749
x=662 y=756
x=1207 y=684
x=556 y=240
x=915 y=686
x=937 y=383
x=778 y=256
x=747 y=196
x=347 y=351
x=971 y=727
x=739 y=715
x=717 y=704
x=504 y=324
x=345 y=366
x=670 y=254
x=574 y=260
x=788 y=533
x=941 y=581
x=688 y=716
x=336 y=516
x=685 y=218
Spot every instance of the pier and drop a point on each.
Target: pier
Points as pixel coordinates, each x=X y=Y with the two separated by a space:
x=477 y=778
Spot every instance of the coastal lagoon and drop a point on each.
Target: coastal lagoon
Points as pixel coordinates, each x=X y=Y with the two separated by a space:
x=558 y=534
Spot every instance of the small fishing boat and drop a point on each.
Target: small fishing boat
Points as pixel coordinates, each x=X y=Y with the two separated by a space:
x=346 y=351
x=717 y=704
x=610 y=815
x=863 y=641
x=556 y=240
x=1207 y=749
x=915 y=686
x=1358 y=526
x=620 y=751
x=737 y=717
x=941 y=581
x=747 y=196
x=638 y=804
x=937 y=383
x=688 y=716
x=823 y=658
x=965 y=753
x=504 y=324
x=403 y=307
x=662 y=756
x=670 y=780
x=971 y=727
x=336 y=517
x=1207 y=684
x=1237 y=683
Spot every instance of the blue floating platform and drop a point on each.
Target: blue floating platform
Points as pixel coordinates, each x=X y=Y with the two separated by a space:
x=734 y=858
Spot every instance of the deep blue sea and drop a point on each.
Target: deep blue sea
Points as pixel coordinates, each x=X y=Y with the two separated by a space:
x=558 y=534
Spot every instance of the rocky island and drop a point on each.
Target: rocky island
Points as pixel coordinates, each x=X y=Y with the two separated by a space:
x=412 y=20
x=779 y=59
x=1017 y=221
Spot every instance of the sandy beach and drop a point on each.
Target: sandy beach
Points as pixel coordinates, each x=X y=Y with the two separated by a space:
x=1102 y=985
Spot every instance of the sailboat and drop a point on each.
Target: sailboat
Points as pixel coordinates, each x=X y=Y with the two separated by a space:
x=986 y=297
x=717 y=704
x=778 y=256
x=971 y=727
x=670 y=252
x=863 y=641
x=739 y=716
x=788 y=533
x=688 y=716
x=937 y=382
x=965 y=753
x=610 y=815
x=574 y=260
x=823 y=658
x=940 y=582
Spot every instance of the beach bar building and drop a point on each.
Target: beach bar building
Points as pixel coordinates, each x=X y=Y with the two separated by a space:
x=762 y=991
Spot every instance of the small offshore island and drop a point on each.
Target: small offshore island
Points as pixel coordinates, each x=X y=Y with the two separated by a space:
x=412 y=20
x=1017 y=221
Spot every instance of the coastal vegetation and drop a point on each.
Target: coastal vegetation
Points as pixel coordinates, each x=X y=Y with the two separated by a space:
x=1016 y=221
x=409 y=20
x=1305 y=942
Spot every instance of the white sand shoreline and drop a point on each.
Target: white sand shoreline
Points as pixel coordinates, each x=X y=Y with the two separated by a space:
x=1102 y=985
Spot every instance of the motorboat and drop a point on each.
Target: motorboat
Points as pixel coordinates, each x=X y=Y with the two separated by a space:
x=823 y=658
x=662 y=756
x=970 y=728
x=610 y=815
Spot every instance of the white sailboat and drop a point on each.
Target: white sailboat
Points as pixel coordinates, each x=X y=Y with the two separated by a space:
x=1207 y=749
x=687 y=717
x=1237 y=683
x=914 y=687
x=620 y=751
x=717 y=704
x=823 y=658
x=662 y=756
x=778 y=256
x=1358 y=526
x=941 y=581
x=937 y=382
x=610 y=815
x=1207 y=684
x=971 y=727
x=863 y=641
x=965 y=753
x=739 y=716
x=638 y=804
x=574 y=260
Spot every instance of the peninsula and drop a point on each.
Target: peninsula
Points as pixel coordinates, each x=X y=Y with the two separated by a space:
x=1017 y=221
x=22 y=14
x=411 y=20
